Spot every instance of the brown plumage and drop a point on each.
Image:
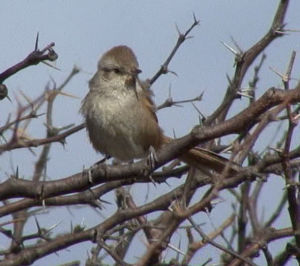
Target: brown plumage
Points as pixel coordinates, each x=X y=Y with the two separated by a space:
x=120 y=114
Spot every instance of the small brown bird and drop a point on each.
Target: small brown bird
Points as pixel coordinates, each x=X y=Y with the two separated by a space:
x=120 y=114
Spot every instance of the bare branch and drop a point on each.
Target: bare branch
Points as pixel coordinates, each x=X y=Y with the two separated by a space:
x=181 y=38
x=33 y=58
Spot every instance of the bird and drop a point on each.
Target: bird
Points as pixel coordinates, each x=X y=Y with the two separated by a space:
x=120 y=114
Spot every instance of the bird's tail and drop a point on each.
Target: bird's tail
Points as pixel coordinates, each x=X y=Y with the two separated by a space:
x=203 y=158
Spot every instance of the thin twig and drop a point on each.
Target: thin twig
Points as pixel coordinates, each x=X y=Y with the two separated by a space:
x=34 y=58
x=181 y=38
x=213 y=243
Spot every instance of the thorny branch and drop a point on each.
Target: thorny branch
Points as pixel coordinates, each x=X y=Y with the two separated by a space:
x=35 y=57
x=180 y=40
x=114 y=234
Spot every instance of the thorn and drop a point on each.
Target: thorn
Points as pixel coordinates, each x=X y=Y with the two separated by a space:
x=189 y=37
x=54 y=226
x=174 y=134
x=281 y=32
x=282 y=76
x=200 y=97
x=17 y=173
x=199 y=112
x=152 y=180
x=216 y=201
x=27 y=98
x=176 y=249
x=236 y=45
x=236 y=53
x=52 y=66
x=285 y=31
x=103 y=201
x=177 y=29
x=296 y=117
x=36 y=42
x=227 y=149
x=68 y=95
x=244 y=94
x=275 y=149
x=37 y=224
x=172 y=72
x=196 y=21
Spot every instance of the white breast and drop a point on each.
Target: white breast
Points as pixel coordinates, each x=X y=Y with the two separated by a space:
x=113 y=125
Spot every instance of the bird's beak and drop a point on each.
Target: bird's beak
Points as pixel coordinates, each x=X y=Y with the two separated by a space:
x=133 y=77
x=137 y=71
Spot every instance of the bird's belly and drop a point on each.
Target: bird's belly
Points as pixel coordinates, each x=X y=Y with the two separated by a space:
x=114 y=130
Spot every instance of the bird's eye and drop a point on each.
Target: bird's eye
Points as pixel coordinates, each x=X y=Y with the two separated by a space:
x=117 y=70
x=105 y=69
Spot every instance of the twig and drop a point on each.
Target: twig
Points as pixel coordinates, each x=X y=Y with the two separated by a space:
x=169 y=102
x=181 y=38
x=34 y=58
x=37 y=142
x=195 y=246
x=213 y=243
x=244 y=61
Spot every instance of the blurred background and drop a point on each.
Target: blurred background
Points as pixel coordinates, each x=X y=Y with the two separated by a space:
x=82 y=31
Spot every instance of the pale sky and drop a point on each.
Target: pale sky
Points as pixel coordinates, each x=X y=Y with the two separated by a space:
x=83 y=30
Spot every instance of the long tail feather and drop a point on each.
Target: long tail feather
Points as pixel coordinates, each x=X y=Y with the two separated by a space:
x=202 y=158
